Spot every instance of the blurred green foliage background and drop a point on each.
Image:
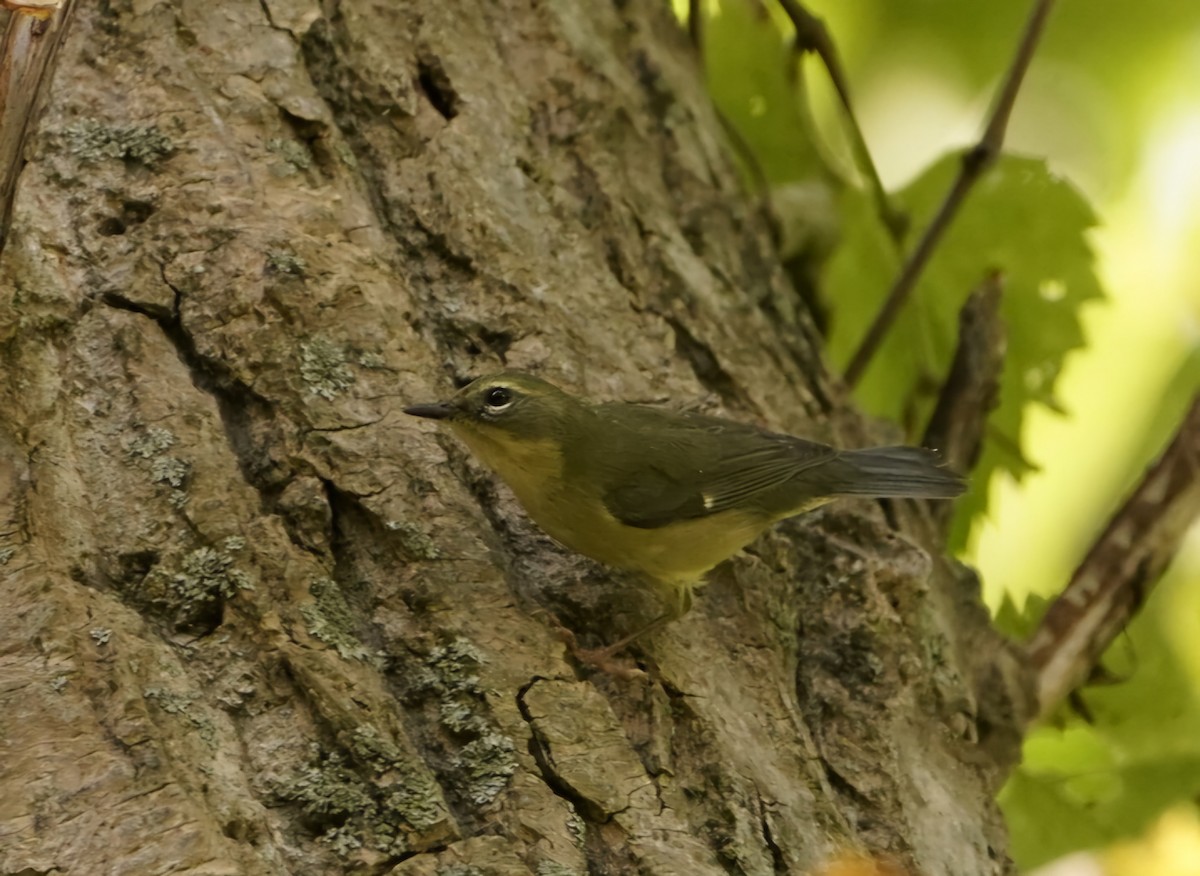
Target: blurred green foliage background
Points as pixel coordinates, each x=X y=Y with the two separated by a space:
x=1094 y=218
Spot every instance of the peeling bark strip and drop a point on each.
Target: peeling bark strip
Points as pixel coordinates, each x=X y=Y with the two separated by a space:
x=37 y=9
x=969 y=393
x=259 y=622
x=1122 y=566
x=26 y=60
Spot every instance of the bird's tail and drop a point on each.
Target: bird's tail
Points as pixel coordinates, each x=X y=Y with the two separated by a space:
x=911 y=472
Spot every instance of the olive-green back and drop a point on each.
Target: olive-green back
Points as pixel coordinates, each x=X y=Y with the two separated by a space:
x=655 y=466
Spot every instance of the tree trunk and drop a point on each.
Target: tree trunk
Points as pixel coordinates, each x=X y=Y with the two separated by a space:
x=256 y=620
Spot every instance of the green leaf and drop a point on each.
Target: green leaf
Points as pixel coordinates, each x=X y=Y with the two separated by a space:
x=1020 y=219
x=1076 y=759
x=1110 y=778
x=1019 y=622
x=1044 y=822
x=747 y=55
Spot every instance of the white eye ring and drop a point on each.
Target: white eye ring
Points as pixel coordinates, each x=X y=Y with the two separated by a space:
x=498 y=399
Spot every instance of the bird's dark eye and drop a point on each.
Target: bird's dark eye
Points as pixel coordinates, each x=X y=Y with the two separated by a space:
x=498 y=398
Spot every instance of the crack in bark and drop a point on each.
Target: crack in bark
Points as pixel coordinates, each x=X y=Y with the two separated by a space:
x=436 y=86
x=778 y=861
x=705 y=366
x=266 y=11
x=237 y=403
x=605 y=853
x=329 y=430
x=709 y=768
x=539 y=750
x=439 y=260
x=239 y=407
x=318 y=52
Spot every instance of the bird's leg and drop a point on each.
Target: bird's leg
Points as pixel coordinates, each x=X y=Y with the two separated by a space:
x=602 y=658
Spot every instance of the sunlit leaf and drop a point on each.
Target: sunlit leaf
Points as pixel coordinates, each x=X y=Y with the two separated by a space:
x=1021 y=220
x=1044 y=820
x=1019 y=622
x=1108 y=779
x=748 y=56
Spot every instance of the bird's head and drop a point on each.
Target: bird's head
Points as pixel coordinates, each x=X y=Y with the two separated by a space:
x=508 y=418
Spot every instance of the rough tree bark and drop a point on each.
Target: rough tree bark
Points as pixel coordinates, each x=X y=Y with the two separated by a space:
x=255 y=620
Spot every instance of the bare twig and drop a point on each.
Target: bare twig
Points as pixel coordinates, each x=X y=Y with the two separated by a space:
x=1116 y=575
x=974 y=162
x=28 y=47
x=743 y=148
x=813 y=36
x=695 y=26
x=959 y=422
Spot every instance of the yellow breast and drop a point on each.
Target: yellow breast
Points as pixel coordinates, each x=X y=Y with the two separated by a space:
x=677 y=555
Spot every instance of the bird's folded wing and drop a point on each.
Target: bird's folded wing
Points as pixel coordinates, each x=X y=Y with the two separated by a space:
x=751 y=478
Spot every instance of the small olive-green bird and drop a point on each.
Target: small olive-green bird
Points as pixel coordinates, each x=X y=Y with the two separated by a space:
x=664 y=494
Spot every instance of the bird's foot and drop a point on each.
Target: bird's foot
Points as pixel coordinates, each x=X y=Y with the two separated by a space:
x=606 y=659
x=602 y=659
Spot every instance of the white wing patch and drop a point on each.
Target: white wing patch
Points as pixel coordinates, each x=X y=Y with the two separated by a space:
x=709 y=501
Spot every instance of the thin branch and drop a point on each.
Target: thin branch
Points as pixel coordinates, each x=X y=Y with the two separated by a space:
x=1120 y=569
x=974 y=162
x=695 y=26
x=743 y=148
x=26 y=53
x=813 y=36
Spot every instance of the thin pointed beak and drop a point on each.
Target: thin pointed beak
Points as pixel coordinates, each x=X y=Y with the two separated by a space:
x=437 y=411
